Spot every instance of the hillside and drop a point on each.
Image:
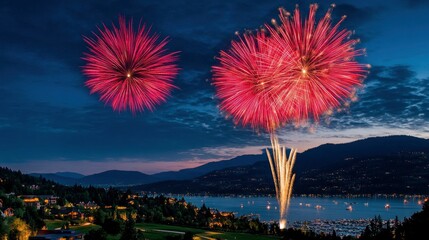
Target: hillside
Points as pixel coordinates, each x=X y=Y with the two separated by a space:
x=328 y=155
x=392 y=169
x=56 y=178
x=190 y=173
x=127 y=178
x=396 y=164
x=116 y=178
x=103 y=179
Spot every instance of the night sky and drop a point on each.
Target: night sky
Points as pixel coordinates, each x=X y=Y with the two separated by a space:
x=50 y=123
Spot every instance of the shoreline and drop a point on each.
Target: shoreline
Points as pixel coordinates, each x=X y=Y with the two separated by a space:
x=343 y=196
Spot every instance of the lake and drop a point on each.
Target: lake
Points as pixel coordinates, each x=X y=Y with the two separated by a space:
x=311 y=208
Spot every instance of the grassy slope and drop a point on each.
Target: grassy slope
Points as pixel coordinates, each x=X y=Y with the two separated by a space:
x=55 y=224
x=150 y=231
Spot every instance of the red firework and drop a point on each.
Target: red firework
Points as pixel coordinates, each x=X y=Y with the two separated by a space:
x=309 y=67
x=245 y=81
x=323 y=73
x=129 y=69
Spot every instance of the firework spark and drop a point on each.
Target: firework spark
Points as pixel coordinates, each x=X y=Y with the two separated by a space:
x=130 y=70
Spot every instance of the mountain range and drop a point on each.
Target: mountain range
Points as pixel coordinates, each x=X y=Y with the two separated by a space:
x=317 y=168
x=400 y=173
x=128 y=178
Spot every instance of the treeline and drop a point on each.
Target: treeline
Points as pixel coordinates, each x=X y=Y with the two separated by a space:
x=22 y=184
x=118 y=211
x=164 y=210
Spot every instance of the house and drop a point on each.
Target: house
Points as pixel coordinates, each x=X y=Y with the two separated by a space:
x=227 y=214
x=57 y=235
x=8 y=212
x=171 y=200
x=31 y=200
x=70 y=212
x=90 y=205
x=49 y=199
x=34 y=187
x=52 y=200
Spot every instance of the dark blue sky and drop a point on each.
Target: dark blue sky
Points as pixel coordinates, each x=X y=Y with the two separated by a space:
x=49 y=122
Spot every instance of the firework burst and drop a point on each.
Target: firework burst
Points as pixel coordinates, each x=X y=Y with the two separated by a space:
x=322 y=71
x=130 y=70
x=246 y=81
x=301 y=70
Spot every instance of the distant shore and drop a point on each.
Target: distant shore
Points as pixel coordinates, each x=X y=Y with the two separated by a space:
x=380 y=195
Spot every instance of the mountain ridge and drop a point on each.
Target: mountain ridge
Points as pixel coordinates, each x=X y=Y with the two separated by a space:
x=321 y=157
x=397 y=164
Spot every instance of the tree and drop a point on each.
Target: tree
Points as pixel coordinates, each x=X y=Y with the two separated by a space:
x=31 y=216
x=129 y=232
x=417 y=225
x=65 y=226
x=19 y=230
x=111 y=226
x=100 y=217
x=4 y=229
x=204 y=215
x=98 y=234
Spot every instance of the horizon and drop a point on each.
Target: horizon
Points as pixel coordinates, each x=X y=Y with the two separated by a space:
x=50 y=122
x=153 y=173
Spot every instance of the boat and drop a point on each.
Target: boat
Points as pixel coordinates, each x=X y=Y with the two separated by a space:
x=349 y=208
x=387 y=206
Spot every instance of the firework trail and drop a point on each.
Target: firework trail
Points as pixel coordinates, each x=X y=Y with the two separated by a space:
x=281 y=169
x=129 y=70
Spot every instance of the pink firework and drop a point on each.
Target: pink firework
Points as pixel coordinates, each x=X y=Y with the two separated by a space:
x=129 y=69
x=323 y=73
x=245 y=81
x=301 y=70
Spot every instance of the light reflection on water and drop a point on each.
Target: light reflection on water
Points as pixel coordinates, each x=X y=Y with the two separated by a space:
x=310 y=208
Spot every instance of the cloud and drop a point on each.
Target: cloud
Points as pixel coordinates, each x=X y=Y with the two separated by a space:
x=91 y=167
x=225 y=152
x=392 y=96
